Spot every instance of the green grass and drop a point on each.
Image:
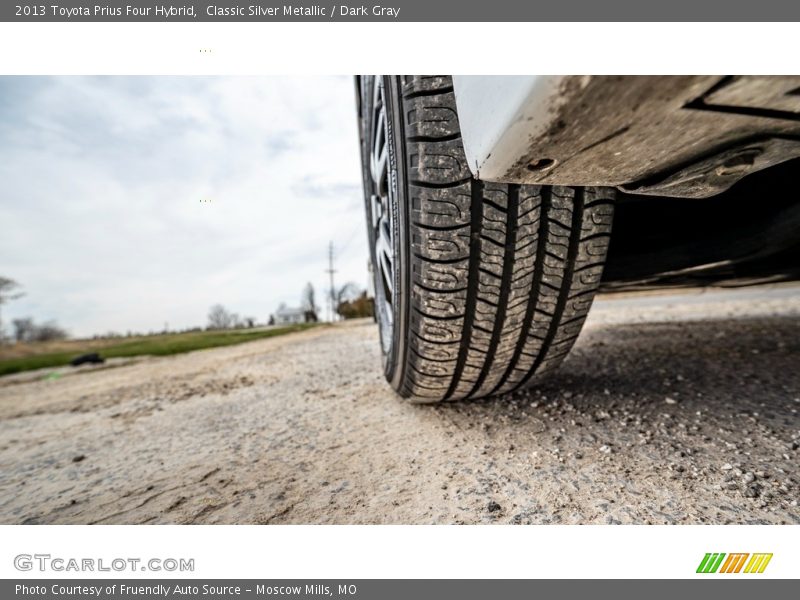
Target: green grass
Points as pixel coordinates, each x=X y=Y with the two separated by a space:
x=156 y=345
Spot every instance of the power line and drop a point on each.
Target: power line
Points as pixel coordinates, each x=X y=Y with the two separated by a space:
x=344 y=247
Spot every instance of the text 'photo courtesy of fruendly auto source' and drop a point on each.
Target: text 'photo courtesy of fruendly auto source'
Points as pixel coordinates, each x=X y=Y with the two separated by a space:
x=400 y=299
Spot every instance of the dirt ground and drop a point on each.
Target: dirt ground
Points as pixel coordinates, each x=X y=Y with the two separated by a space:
x=670 y=409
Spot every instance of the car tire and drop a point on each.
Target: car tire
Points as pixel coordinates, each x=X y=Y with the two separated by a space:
x=480 y=288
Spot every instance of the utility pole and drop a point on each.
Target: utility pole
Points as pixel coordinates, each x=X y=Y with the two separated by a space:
x=330 y=272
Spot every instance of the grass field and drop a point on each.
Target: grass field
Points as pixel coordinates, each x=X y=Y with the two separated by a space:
x=154 y=345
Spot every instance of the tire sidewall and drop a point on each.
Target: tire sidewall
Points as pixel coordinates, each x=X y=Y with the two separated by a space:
x=394 y=112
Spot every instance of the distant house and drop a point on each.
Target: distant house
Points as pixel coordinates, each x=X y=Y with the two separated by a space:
x=286 y=315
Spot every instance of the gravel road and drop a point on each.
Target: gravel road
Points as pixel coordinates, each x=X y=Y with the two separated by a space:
x=670 y=409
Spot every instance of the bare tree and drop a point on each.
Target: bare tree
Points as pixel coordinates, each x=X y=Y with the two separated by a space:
x=23 y=329
x=308 y=302
x=220 y=318
x=48 y=332
x=8 y=292
x=347 y=293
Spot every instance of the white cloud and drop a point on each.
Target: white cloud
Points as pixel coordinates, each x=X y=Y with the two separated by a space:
x=100 y=212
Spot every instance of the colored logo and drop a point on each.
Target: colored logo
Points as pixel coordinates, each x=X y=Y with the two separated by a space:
x=734 y=563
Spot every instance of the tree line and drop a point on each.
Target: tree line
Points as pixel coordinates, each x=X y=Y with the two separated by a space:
x=25 y=329
x=349 y=300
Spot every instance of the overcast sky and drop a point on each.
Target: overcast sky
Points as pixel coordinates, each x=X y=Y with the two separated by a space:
x=100 y=214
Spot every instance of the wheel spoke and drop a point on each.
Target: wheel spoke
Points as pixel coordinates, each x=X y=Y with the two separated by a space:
x=375 y=210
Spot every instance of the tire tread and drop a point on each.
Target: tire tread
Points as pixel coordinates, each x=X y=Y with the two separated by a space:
x=502 y=276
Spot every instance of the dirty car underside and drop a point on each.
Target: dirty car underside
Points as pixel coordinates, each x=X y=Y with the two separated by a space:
x=706 y=167
x=747 y=235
